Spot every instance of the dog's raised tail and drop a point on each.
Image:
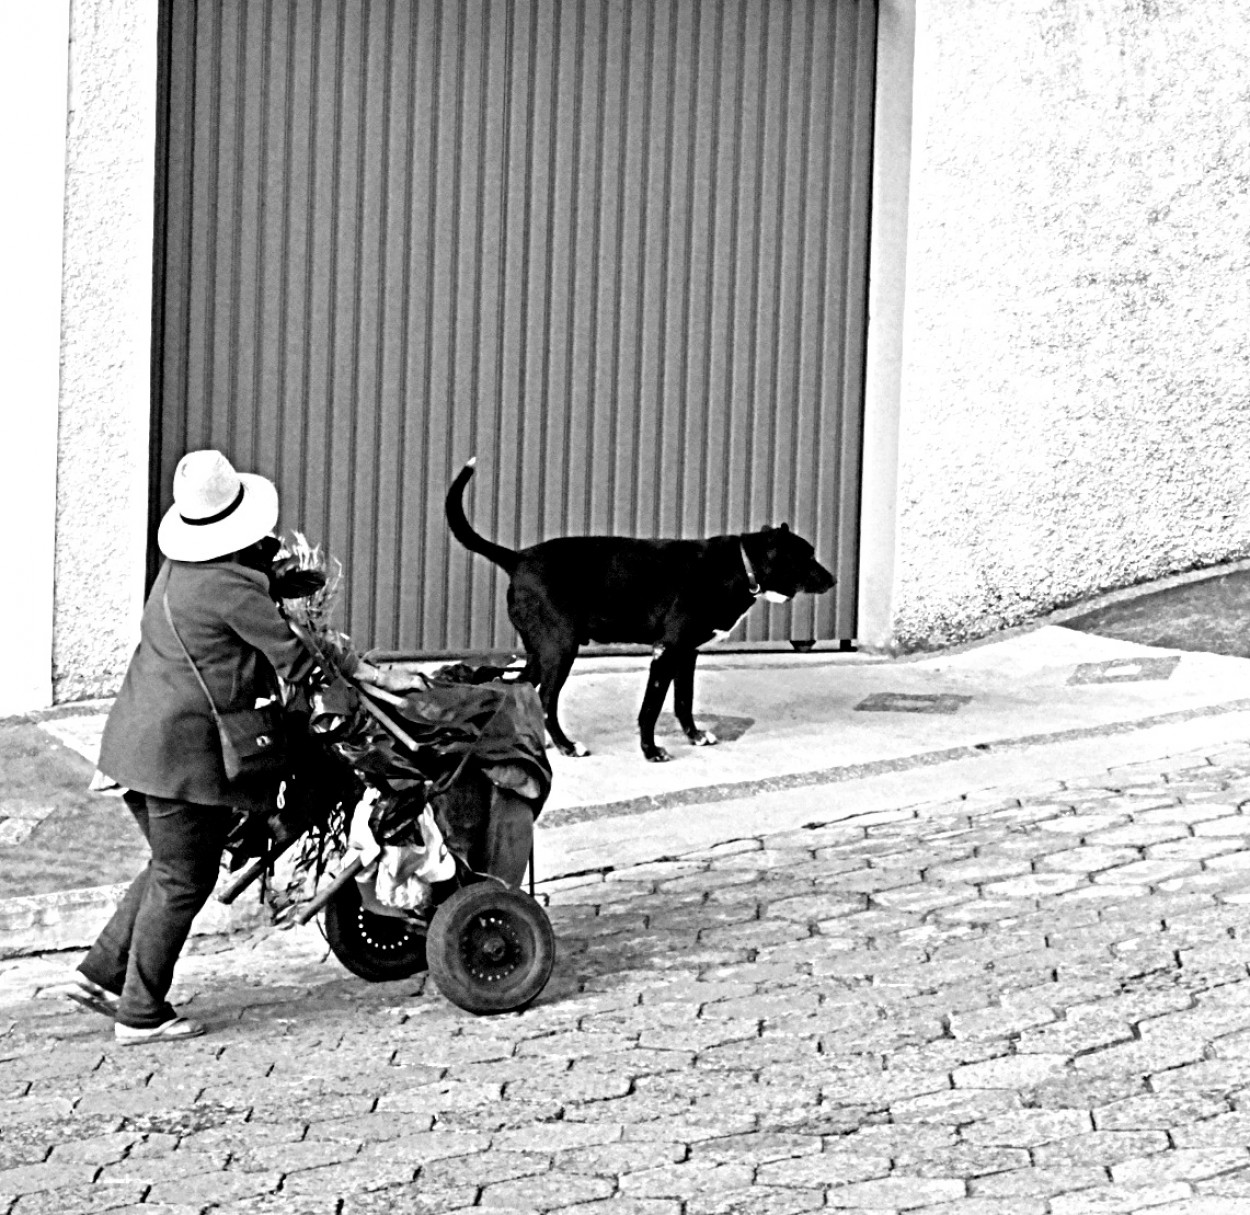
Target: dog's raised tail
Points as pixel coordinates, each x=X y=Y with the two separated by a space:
x=505 y=558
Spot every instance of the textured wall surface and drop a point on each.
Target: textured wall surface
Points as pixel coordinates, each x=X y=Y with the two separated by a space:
x=1076 y=397
x=106 y=337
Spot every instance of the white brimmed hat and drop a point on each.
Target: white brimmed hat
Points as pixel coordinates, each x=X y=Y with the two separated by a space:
x=216 y=510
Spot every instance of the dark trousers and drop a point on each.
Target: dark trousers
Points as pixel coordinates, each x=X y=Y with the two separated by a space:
x=134 y=956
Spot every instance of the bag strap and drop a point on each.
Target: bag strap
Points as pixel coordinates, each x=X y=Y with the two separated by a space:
x=190 y=661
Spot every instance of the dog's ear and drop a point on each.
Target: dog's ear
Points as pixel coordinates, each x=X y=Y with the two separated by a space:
x=785 y=527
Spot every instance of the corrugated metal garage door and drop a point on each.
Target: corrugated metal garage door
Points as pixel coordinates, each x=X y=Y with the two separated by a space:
x=616 y=248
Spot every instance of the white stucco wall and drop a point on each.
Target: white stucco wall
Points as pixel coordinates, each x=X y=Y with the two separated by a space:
x=1075 y=404
x=34 y=41
x=106 y=340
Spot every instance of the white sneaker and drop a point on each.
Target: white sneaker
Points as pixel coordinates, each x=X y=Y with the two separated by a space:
x=173 y=1030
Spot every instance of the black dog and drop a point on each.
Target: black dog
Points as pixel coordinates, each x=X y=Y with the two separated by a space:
x=674 y=595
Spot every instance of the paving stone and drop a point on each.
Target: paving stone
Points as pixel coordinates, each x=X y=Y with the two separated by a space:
x=97 y=1150
x=965 y=1160
x=756 y=1054
x=34 y=1109
x=1037 y=1182
x=1075 y=1035
x=977 y=871
x=1106 y=893
x=1235 y=826
x=986 y=911
x=1195 y=849
x=1083 y=824
x=1014 y=1072
x=1138 y=835
x=923 y=897
x=280 y=1203
x=1188 y=1164
x=897 y=1193
x=756 y=1200
x=834 y=1167
x=354 y=1176
x=954 y=1107
x=483 y=1168
x=1147 y=873
x=214 y=1188
x=33 y=1178
x=809 y=908
x=684 y=1180
x=84 y=1200
x=998 y=1022
x=1089 y=858
x=555 y=1189
x=753 y=935
x=409 y=1199
x=173 y=1165
x=1030 y=1128
x=1084 y=1092
x=1209 y=1076
x=759 y=1147
x=1200 y=1205
x=760 y=1007
x=1232 y=1046
x=582 y=1084
x=1119 y=1199
x=1204 y=1022
x=1104 y=1148
x=985 y=1206
x=1234 y=1185
x=1161 y=1111
x=617 y=1157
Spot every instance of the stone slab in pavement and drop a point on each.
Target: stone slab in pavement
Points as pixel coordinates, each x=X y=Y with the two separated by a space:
x=1029 y=1000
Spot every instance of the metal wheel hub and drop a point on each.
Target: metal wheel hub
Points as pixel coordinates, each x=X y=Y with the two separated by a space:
x=491 y=948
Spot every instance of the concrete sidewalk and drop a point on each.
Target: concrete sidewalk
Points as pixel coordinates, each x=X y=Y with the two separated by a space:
x=804 y=738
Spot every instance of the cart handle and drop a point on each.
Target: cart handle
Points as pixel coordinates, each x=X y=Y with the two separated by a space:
x=323 y=896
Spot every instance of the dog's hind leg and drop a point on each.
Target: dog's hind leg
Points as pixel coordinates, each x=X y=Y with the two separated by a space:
x=554 y=662
x=664 y=664
x=683 y=700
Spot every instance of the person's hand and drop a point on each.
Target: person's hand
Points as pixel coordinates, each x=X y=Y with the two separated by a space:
x=386 y=678
x=288 y=581
x=296 y=584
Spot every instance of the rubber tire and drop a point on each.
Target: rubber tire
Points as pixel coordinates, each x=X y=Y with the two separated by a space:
x=380 y=948
x=457 y=943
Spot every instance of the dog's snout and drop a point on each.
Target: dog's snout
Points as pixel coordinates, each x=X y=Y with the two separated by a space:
x=820 y=579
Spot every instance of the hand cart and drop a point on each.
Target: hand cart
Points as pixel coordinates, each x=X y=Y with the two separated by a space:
x=463 y=749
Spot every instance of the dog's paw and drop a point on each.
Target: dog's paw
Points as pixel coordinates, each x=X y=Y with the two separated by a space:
x=657 y=755
x=703 y=738
x=576 y=750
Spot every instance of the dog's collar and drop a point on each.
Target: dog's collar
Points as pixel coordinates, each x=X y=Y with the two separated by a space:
x=753 y=583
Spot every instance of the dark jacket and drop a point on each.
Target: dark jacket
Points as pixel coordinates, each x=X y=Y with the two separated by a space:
x=160 y=738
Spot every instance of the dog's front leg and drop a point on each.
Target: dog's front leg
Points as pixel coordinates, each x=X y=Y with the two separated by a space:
x=683 y=700
x=663 y=664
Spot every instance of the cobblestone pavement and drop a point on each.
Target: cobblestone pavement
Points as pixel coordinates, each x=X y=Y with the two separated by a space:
x=1026 y=1002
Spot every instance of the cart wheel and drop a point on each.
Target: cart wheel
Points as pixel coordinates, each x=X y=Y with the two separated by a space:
x=380 y=948
x=491 y=949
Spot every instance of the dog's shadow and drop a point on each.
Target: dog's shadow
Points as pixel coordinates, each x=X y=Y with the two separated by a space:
x=726 y=728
